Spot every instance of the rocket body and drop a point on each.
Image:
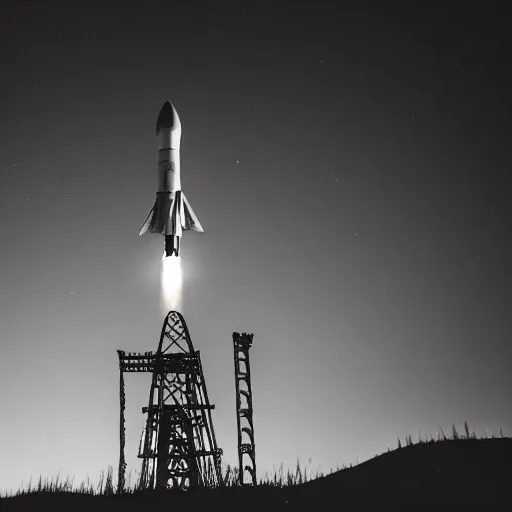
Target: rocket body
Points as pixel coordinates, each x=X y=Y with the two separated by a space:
x=171 y=213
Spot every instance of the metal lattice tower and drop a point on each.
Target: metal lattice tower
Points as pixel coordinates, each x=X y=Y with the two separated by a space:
x=178 y=447
x=246 y=447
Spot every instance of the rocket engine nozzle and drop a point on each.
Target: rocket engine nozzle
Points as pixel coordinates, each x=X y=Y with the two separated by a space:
x=172 y=245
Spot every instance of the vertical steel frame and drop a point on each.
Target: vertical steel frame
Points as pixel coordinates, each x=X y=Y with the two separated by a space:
x=246 y=447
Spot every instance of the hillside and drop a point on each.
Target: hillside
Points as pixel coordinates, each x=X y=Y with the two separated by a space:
x=451 y=471
x=460 y=471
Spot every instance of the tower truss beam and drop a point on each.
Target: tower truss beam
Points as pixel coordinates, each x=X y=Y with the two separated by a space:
x=246 y=447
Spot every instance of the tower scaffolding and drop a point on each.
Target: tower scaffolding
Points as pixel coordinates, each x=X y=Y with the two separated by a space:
x=178 y=447
x=246 y=447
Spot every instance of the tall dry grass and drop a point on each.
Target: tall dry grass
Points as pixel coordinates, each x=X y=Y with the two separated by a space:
x=229 y=473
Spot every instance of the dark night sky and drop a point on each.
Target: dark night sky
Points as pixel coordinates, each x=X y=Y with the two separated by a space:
x=350 y=165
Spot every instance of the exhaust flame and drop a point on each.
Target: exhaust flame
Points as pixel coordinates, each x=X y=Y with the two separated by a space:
x=171 y=283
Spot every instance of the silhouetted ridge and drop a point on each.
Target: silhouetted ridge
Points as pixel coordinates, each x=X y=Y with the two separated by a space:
x=461 y=470
x=450 y=471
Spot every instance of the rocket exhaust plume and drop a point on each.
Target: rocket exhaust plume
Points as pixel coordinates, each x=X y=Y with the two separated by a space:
x=171 y=283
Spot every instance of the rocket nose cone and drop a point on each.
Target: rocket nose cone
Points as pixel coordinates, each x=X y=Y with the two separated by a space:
x=168 y=118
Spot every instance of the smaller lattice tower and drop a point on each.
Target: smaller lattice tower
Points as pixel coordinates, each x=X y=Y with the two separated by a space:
x=246 y=447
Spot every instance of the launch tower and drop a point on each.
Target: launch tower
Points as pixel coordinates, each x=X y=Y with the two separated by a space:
x=178 y=447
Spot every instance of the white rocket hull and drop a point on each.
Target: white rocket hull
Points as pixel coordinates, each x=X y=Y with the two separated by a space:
x=171 y=213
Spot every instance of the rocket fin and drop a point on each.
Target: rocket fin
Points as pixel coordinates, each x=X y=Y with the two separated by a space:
x=189 y=219
x=147 y=222
x=157 y=218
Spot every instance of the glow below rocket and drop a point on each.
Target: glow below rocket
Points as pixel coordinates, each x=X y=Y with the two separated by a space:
x=171 y=283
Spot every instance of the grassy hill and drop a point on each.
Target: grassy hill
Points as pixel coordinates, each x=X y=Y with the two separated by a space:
x=435 y=472
x=464 y=471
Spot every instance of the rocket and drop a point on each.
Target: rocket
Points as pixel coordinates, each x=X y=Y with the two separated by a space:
x=171 y=213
